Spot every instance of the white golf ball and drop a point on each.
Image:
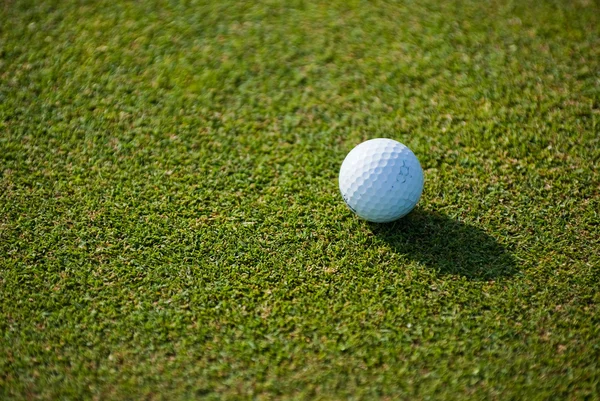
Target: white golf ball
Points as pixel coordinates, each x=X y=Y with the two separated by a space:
x=381 y=180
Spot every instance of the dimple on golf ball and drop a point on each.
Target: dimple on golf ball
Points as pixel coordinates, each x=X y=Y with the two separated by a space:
x=381 y=180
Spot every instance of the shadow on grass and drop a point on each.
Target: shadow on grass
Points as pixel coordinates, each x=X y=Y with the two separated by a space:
x=447 y=245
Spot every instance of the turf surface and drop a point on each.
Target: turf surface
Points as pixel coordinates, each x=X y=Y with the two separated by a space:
x=171 y=228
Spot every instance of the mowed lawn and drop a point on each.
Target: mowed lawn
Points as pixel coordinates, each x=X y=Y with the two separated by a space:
x=171 y=226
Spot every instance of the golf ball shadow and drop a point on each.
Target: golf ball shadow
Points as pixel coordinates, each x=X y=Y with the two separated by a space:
x=447 y=245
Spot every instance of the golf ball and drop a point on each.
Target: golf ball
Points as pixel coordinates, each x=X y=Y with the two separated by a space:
x=381 y=180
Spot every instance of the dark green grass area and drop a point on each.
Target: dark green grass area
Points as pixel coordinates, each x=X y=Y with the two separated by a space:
x=171 y=227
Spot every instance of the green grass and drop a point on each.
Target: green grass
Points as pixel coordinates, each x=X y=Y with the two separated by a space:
x=171 y=227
